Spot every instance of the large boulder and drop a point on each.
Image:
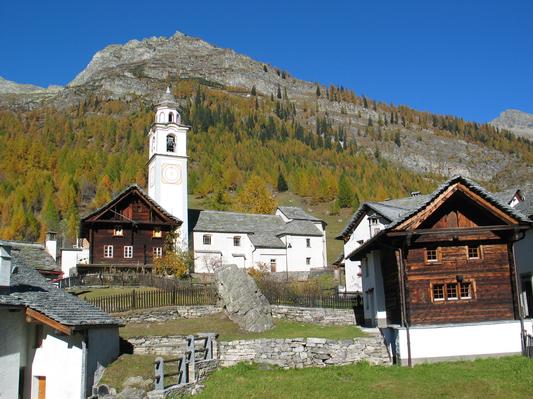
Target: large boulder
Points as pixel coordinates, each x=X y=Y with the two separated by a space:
x=242 y=301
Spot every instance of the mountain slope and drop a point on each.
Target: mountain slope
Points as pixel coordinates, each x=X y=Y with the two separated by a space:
x=518 y=122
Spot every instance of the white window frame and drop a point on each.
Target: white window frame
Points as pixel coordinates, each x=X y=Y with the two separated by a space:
x=157 y=233
x=128 y=251
x=118 y=231
x=108 y=251
x=157 y=252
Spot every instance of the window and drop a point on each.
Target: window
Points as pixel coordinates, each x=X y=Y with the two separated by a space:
x=170 y=117
x=237 y=241
x=157 y=233
x=466 y=290
x=451 y=291
x=108 y=251
x=374 y=221
x=128 y=251
x=307 y=261
x=438 y=292
x=308 y=242
x=118 y=232
x=207 y=239
x=432 y=255
x=158 y=252
x=272 y=265
x=171 y=143
x=473 y=252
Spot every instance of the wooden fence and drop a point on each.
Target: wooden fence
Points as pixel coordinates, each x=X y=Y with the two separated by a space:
x=178 y=296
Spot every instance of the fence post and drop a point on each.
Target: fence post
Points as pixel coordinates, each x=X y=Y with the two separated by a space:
x=159 y=380
x=133 y=300
x=191 y=350
x=174 y=295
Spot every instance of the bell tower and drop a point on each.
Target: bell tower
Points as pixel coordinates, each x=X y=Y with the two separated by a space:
x=167 y=165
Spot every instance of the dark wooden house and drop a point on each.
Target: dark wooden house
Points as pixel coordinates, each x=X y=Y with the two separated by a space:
x=129 y=231
x=448 y=262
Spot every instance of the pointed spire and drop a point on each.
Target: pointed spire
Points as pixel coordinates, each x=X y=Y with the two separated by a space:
x=168 y=100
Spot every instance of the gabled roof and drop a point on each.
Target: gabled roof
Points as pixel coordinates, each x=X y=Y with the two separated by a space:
x=296 y=213
x=29 y=289
x=427 y=200
x=32 y=254
x=263 y=230
x=134 y=188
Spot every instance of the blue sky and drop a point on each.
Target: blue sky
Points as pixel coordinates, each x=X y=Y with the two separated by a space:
x=467 y=58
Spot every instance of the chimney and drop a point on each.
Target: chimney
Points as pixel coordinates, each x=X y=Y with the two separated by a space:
x=51 y=244
x=5 y=268
x=415 y=193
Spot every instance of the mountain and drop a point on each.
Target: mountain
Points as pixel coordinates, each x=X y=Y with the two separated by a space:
x=66 y=150
x=518 y=122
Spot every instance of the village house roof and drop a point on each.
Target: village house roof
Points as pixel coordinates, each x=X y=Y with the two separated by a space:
x=296 y=213
x=133 y=188
x=28 y=288
x=399 y=209
x=427 y=200
x=264 y=230
x=33 y=254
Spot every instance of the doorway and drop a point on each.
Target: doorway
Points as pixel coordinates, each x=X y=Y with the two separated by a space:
x=41 y=387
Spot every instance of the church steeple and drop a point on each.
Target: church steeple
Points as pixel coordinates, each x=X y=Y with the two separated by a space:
x=167 y=165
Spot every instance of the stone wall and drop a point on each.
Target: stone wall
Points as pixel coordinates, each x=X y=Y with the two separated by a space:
x=168 y=313
x=314 y=315
x=305 y=352
x=300 y=314
x=163 y=346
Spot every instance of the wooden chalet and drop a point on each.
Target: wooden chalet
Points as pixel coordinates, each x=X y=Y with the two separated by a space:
x=127 y=232
x=448 y=262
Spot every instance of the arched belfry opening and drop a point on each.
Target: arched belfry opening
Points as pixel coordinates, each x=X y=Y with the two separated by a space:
x=171 y=143
x=170 y=117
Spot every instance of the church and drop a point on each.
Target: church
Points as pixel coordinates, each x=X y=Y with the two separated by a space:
x=128 y=231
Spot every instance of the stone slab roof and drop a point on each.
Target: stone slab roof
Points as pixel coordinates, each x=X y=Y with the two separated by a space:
x=28 y=288
x=33 y=254
x=296 y=213
x=263 y=230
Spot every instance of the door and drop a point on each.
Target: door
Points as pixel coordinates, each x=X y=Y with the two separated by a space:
x=527 y=295
x=41 y=386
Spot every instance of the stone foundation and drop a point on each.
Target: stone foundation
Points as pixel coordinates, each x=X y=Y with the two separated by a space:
x=305 y=352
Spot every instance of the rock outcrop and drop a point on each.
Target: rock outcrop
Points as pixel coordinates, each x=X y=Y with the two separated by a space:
x=241 y=299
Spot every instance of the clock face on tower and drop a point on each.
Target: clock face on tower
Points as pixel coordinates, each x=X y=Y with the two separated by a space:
x=171 y=174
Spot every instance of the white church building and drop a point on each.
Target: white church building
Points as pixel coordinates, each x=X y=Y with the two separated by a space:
x=289 y=241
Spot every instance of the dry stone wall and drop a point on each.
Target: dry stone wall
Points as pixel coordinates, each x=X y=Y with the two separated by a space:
x=304 y=352
x=301 y=314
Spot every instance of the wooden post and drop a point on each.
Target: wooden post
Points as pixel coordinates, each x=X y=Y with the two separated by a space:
x=133 y=300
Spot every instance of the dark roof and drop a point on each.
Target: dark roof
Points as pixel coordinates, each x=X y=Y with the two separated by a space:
x=143 y=194
x=296 y=213
x=29 y=288
x=264 y=230
x=426 y=200
x=33 y=254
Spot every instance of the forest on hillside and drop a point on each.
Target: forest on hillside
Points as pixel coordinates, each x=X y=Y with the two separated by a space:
x=56 y=165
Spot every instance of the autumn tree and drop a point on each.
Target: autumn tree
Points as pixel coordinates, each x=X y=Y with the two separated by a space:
x=175 y=261
x=282 y=183
x=255 y=197
x=345 y=193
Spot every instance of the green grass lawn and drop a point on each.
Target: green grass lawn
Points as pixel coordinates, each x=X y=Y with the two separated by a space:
x=229 y=331
x=90 y=293
x=510 y=377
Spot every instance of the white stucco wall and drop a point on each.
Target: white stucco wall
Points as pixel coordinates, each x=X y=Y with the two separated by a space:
x=298 y=252
x=59 y=359
x=70 y=257
x=222 y=245
x=13 y=337
x=460 y=341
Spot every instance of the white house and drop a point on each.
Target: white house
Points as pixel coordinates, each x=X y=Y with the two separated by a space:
x=289 y=241
x=51 y=343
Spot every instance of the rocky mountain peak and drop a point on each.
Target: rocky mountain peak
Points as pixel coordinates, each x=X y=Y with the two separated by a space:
x=519 y=122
